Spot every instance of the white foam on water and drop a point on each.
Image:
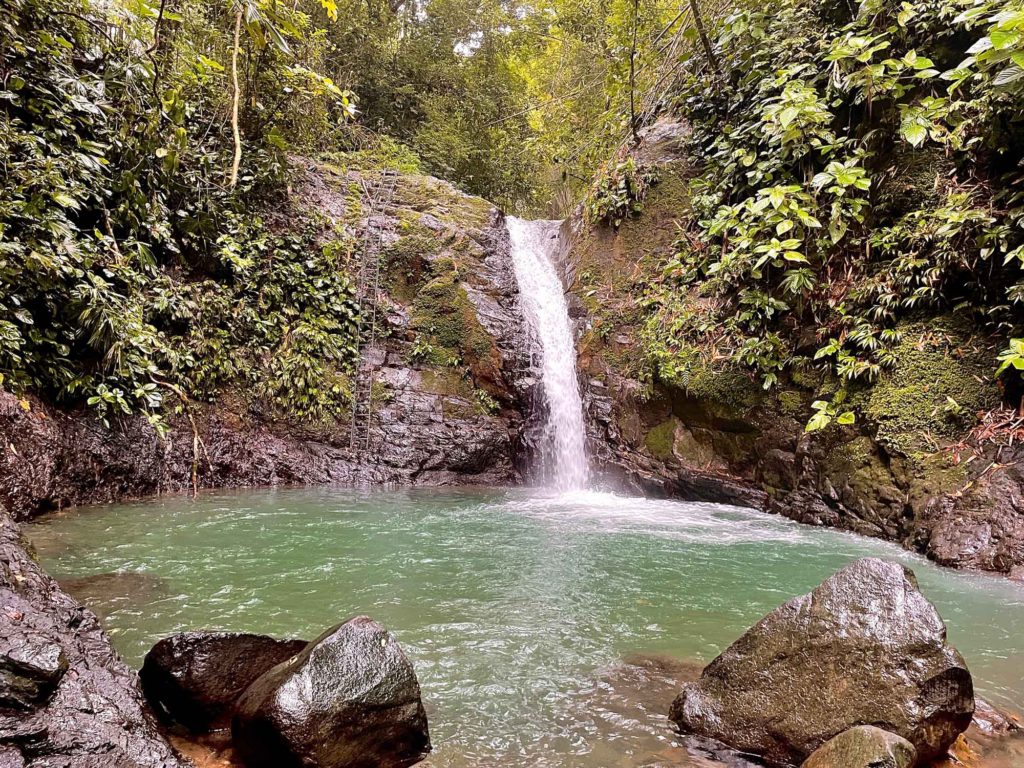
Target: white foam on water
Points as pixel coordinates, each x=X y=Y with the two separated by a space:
x=697 y=522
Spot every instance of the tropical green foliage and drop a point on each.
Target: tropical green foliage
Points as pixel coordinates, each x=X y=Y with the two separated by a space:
x=127 y=268
x=595 y=73
x=862 y=166
x=618 y=190
x=859 y=166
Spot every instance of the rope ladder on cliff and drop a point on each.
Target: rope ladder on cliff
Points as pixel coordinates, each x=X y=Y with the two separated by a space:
x=368 y=295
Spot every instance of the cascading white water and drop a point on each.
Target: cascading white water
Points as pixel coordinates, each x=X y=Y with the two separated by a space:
x=543 y=297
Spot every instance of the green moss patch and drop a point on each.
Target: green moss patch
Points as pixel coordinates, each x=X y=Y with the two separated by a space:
x=446 y=318
x=406 y=266
x=444 y=202
x=726 y=389
x=940 y=381
x=792 y=403
x=448 y=382
x=661 y=440
x=665 y=204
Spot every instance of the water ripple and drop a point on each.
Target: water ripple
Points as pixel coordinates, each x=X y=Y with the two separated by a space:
x=546 y=629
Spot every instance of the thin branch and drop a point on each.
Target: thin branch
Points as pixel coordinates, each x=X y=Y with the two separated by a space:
x=153 y=51
x=92 y=23
x=235 y=96
x=702 y=33
x=632 y=75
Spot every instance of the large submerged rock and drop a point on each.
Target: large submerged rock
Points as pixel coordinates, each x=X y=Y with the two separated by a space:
x=194 y=678
x=349 y=700
x=66 y=699
x=864 y=647
x=863 y=747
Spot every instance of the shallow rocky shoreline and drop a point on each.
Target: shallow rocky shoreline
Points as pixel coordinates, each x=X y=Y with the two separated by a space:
x=66 y=699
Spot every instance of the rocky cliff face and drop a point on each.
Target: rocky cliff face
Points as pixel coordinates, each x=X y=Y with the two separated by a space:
x=66 y=699
x=910 y=471
x=453 y=392
x=450 y=374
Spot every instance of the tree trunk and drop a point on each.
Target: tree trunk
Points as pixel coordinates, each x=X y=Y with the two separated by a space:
x=235 y=97
x=698 y=24
x=633 y=127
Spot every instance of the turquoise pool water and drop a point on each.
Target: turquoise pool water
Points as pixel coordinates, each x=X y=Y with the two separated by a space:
x=545 y=630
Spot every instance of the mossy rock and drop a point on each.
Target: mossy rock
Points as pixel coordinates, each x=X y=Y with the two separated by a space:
x=725 y=390
x=660 y=441
x=406 y=265
x=380 y=392
x=457 y=409
x=792 y=403
x=448 y=205
x=933 y=475
x=691 y=449
x=447 y=382
x=913 y=184
x=871 y=482
x=628 y=360
x=384 y=154
x=734 y=448
x=615 y=266
x=348 y=184
x=940 y=381
x=807 y=377
x=446 y=318
x=654 y=228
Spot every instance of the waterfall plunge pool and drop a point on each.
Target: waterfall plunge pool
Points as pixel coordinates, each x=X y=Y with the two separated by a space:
x=547 y=630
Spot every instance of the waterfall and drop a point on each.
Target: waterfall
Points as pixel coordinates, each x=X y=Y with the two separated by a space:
x=564 y=455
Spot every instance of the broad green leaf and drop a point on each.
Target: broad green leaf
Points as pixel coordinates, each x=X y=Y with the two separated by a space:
x=1011 y=74
x=818 y=421
x=1003 y=38
x=914 y=132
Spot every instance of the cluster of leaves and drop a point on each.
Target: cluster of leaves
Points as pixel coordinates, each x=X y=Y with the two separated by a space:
x=125 y=271
x=284 y=326
x=595 y=72
x=849 y=197
x=619 y=190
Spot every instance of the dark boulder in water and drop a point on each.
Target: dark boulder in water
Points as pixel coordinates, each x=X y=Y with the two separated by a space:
x=863 y=747
x=864 y=647
x=194 y=678
x=349 y=700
